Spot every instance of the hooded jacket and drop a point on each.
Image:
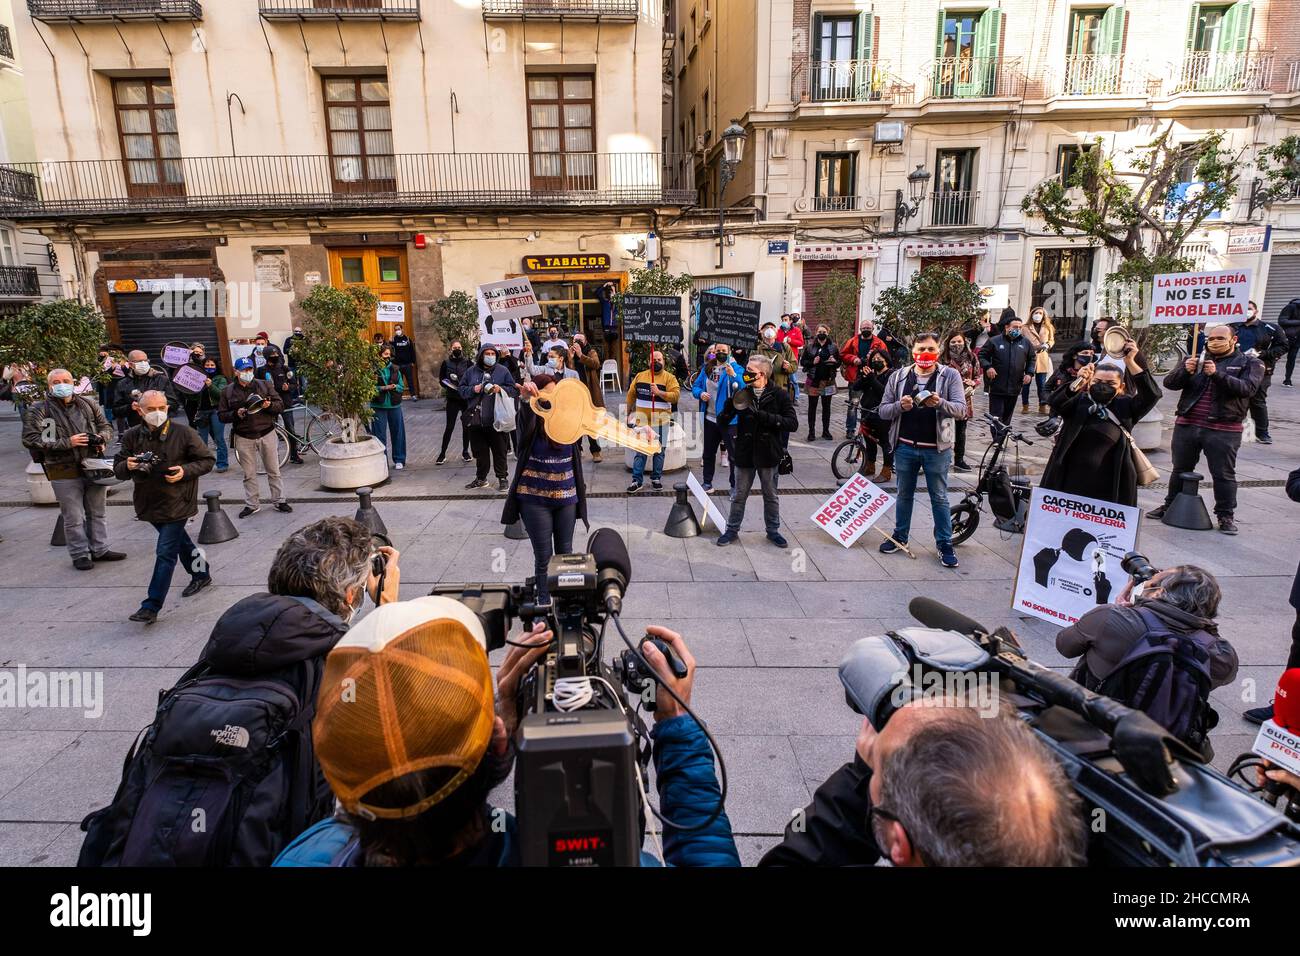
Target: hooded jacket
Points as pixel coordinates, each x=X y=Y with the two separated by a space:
x=477 y=374
x=726 y=388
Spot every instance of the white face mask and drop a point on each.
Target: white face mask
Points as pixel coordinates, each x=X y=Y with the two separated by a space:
x=155 y=419
x=769 y=335
x=141 y=368
x=245 y=377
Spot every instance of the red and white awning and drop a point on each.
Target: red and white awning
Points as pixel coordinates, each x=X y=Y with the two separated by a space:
x=930 y=249
x=837 y=250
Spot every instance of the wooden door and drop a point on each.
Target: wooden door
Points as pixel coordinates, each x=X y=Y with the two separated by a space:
x=383 y=272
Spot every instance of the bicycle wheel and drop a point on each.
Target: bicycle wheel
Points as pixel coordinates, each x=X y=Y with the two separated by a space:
x=965 y=519
x=281 y=445
x=849 y=458
x=321 y=429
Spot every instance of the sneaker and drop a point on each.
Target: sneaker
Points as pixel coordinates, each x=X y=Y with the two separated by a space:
x=597 y=456
x=399 y=466
x=947 y=556
x=1158 y=513
x=250 y=510
x=144 y=616
x=442 y=460
x=1263 y=439
x=1227 y=525
x=634 y=487
x=656 y=484
x=284 y=507
x=708 y=488
x=889 y=547
x=961 y=467
x=466 y=456
x=476 y=483
x=1287 y=384
x=1258 y=715
x=83 y=564
x=196 y=585
x=296 y=461
x=726 y=538
x=503 y=485
x=108 y=556
x=776 y=538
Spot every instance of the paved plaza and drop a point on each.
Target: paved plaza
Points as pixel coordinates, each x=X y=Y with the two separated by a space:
x=766 y=626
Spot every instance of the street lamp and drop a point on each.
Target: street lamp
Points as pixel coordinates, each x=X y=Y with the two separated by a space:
x=733 y=151
x=904 y=210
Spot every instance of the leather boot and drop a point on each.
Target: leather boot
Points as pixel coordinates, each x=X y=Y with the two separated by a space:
x=886 y=475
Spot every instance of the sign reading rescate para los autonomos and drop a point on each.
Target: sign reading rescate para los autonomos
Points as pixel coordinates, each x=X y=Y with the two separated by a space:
x=1201 y=298
x=851 y=511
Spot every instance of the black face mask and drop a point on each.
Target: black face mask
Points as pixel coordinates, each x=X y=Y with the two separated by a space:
x=658 y=367
x=1102 y=392
x=821 y=337
x=750 y=378
x=456 y=353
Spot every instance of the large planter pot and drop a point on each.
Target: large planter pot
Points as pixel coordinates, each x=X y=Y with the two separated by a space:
x=347 y=466
x=674 y=451
x=39 y=487
x=1146 y=433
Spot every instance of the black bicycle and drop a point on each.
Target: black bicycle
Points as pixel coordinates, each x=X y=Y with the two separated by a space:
x=851 y=455
x=1008 y=494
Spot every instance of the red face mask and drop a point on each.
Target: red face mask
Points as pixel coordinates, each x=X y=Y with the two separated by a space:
x=925 y=357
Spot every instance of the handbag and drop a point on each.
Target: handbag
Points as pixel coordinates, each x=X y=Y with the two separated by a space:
x=1146 y=472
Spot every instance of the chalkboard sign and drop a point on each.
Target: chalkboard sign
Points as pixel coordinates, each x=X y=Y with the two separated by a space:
x=729 y=320
x=652 y=318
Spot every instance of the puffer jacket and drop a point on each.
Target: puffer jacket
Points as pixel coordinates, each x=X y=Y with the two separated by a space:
x=726 y=388
x=688 y=792
x=80 y=416
x=478 y=412
x=1236 y=378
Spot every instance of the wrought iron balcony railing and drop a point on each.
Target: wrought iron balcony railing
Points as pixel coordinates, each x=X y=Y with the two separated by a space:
x=842 y=81
x=1213 y=72
x=19 y=282
x=412 y=181
x=953 y=207
x=86 y=11
x=562 y=9
x=339 y=9
x=972 y=77
x=833 y=204
x=1100 y=74
x=1293 y=77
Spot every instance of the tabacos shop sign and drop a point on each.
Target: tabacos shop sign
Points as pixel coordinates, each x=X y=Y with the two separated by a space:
x=570 y=262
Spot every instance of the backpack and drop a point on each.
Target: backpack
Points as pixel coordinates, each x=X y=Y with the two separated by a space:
x=224 y=776
x=1166 y=675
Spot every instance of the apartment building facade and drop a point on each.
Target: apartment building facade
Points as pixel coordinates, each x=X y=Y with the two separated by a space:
x=844 y=101
x=230 y=156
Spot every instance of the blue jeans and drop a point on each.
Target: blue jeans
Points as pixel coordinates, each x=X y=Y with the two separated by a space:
x=909 y=461
x=1040 y=379
x=550 y=529
x=657 y=466
x=207 y=424
x=173 y=545
x=386 y=420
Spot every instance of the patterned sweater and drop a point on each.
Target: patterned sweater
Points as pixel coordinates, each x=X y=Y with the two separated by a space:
x=549 y=473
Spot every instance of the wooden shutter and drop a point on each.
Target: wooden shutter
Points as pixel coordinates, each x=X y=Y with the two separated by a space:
x=865 y=43
x=1193 y=18
x=1234 y=35
x=1112 y=31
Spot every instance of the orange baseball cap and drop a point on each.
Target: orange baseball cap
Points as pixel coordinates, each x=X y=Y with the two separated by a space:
x=408 y=689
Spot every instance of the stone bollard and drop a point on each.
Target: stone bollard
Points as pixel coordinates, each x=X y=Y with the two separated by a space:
x=1187 y=510
x=366 y=513
x=217 y=526
x=682 y=522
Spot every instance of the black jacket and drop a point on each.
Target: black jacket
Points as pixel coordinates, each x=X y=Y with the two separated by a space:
x=289 y=344
x=1009 y=359
x=157 y=500
x=1293 y=492
x=283 y=381
x=1289 y=319
x=476 y=413
x=403 y=350
x=823 y=372
x=832 y=830
x=531 y=429
x=1236 y=378
x=256 y=424
x=1270 y=341
x=154 y=381
x=450 y=374
x=759 y=427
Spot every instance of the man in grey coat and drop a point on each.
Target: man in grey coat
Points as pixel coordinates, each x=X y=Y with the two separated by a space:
x=923 y=402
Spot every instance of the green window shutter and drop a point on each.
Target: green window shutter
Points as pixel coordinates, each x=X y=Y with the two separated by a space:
x=1235 y=33
x=862 y=53
x=815 y=41
x=988 y=37
x=1112 y=31
x=938 y=41
x=1193 y=19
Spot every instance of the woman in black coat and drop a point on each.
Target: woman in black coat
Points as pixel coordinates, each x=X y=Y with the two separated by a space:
x=821 y=362
x=1091 y=457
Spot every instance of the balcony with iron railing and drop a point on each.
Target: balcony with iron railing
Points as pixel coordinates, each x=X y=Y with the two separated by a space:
x=627 y=10
x=19 y=282
x=1098 y=75
x=89 y=11
x=307 y=184
x=339 y=9
x=966 y=77
x=1293 y=76
x=811 y=205
x=842 y=81
x=952 y=207
x=1214 y=72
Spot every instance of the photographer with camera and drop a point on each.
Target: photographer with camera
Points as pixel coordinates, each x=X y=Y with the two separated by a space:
x=140 y=377
x=940 y=784
x=426 y=803
x=165 y=460
x=1157 y=649
x=251 y=406
x=66 y=434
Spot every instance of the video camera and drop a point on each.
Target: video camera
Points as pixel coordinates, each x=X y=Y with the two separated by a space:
x=582 y=746
x=1162 y=805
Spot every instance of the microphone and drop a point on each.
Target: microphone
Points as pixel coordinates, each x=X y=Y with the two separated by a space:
x=933 y=614
x=1278 y=740
x=613 y=567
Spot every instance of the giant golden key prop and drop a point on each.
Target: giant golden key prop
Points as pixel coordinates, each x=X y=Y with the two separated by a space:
x=568 y=414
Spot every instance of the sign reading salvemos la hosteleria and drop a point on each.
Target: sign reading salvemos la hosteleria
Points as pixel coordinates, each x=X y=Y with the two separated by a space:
x=568 y=262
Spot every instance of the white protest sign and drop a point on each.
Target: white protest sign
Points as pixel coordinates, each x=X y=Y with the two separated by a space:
x=1187 y=298
x=190 y=379
x=711 y=511
x=175 y=355
x=995 y=296
x=501 y=308
x=1070 y=559
x=847 y=514
x=391 y=312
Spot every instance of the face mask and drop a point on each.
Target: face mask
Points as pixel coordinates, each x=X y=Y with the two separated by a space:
x=209 y=372
x=750 y=378
x=141 y=368
x=62 y=390
x=489 y=360
x=155 y=419
x=925 y=359
x=197 y=356
x=456 y=353
x=770 y=335
x=1013 y=334
x=822 y=336
x=1219 y=347
x=245 y=377
x=555 y=363
x=1101 y=392
x=658 y=367
x=723 y=357
x=785 y=325
x=386 y=359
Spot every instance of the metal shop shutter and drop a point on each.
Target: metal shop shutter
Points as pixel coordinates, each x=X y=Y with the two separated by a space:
x=1283 y=286
x=740 y=285
x=815 y=272
x=139 y=328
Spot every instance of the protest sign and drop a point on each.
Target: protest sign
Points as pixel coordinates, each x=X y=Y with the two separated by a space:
x=729 y=319
x=652 y=318
x=847 y=514
x=711 y=511
x=501 y=308
x=1070 y=559
x=175 y=355
x=190 y=379
x=1197 y=298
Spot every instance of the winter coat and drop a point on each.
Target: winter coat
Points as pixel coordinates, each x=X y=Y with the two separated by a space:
x=1011 y=359
x=450 y=374
x=1268 y=341
x=727 y=386
x=820 y=374
x=1235 y=380
x=759 y=427
x=157 y=500
x=253 y=424
x=479 y=412
x=778 y=354
x=853 y=350
x=153 y=381
x=588 y=366
x=81 y=416
x=1293 y=492
x=952 y=403
x=283 y=381
x=832 y=830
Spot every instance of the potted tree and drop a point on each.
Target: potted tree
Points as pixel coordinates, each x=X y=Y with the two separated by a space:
x=64 y=334
x=339 y=363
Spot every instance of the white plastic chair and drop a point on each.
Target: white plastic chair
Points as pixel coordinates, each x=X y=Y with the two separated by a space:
x=609 y=373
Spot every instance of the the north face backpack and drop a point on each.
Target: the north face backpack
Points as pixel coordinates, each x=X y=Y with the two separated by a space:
x=224 y=776
x=1166 y=675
